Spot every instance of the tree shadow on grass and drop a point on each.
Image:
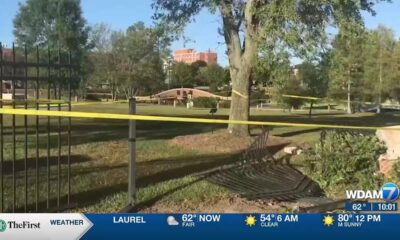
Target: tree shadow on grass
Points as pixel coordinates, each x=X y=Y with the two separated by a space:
x=148 y=203
x=42 y=162
x=294 y=133
x=103 y=130
x=159 y=170
x=111 y=130
x=91 y=197
x=149 y=173
x=178 y=168
x=145 y=130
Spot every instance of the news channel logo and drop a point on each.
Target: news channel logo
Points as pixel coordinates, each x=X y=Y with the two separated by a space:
x=3 y=225
x=388 y=192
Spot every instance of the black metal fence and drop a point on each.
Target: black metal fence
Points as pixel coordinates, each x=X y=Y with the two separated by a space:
x=35 y=152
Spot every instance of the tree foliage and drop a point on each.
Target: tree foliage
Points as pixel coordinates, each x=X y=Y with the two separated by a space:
x=364 y=65
x=212 y=75
x=394 y=91
x=55 y=25
x=313 y=78
x=346 y=70
x=251 y=25
x=380 y=73
x=198 y=74
x=182 y=75
x=52 y=23
x=128 y=63
x=138 y=60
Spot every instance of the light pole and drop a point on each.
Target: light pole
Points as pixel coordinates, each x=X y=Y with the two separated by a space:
x=170 y=63
x=349 y=111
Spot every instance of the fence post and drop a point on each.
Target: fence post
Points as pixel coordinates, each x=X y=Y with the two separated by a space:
x=132 y=155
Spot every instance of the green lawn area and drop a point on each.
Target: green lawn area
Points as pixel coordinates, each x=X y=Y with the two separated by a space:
x=100 y=155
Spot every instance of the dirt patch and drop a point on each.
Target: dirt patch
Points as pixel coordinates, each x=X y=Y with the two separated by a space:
x=237 y=205
x=221 y=142
x=225 y=205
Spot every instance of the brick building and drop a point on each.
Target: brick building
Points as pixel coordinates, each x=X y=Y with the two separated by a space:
x=190 y=56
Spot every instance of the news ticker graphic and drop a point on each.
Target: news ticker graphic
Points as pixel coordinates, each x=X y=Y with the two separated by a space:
x=43 y=226
x=386 y=196
x=371 y=207
x=200 y=226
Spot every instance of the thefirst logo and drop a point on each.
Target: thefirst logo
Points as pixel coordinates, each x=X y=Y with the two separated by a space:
x=389 y=192
x=3 y=225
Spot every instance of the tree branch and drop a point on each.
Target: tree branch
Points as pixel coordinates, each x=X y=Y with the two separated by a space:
x=249 y=48
x=231 y=32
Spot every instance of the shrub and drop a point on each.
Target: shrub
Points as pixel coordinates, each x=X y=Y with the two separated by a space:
x=225 y=104
x=92 y=97
x=395 y=174
x=205 y=102
x=258 y=95
x=345 y=158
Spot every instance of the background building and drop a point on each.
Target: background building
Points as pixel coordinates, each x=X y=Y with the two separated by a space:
x=7 y=85
x=190 y=56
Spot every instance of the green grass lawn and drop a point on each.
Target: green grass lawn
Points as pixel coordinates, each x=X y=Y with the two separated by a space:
x=100 y=155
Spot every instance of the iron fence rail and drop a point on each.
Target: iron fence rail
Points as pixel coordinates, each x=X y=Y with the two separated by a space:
x=54 y=74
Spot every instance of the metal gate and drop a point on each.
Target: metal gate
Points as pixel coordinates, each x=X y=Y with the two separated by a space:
x=260 y=176
x=35 y=152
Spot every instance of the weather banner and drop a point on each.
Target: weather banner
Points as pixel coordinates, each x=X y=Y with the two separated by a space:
x=200 y=226
x=243 y=226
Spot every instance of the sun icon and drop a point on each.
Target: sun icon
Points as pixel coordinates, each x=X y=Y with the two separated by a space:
x=250 y=220
x=328 y=220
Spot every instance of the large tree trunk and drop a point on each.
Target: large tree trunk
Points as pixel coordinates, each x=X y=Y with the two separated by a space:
x=241 y=61
x=240 y=100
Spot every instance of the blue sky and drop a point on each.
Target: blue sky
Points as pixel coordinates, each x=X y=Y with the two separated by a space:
x=203 y=33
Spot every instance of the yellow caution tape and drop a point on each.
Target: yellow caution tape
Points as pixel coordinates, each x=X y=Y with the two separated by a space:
x=301 y=97
x=332 y=100
x=56 y=102
x=175 y=119
x=239 y=94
